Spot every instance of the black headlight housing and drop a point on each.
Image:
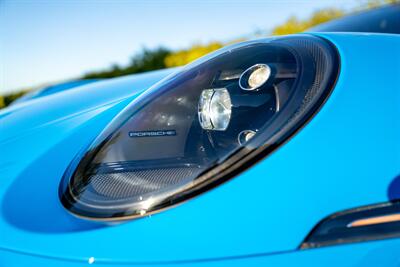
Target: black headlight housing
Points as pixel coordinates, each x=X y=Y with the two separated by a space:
x=201 y=127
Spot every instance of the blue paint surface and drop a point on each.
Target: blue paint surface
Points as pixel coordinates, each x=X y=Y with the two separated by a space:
x=382 y=253
x=53 y=90
x=345 y=157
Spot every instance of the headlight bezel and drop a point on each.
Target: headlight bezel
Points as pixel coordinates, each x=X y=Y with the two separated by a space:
x=243 y=158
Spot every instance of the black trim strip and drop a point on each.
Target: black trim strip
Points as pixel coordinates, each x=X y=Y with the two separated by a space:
x=374 y=222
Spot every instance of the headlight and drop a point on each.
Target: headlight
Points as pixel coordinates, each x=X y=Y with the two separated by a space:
x=200 y=127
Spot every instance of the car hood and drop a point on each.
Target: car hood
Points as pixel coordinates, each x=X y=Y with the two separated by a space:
x=345 y=157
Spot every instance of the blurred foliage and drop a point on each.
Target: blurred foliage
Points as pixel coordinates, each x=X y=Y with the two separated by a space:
x=146 y=60
x=185 y=56
x=377 y=3
x=295 y=25
x=10 y=97
x=159 y=58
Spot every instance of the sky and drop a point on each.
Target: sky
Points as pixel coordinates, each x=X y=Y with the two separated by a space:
x=47 y=41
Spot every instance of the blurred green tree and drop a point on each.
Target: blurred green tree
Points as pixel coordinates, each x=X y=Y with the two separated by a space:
x=146 y=60
x=183 y=57
x=377 y=3
x=8 y=98
x=296 y=25
x=2 y=104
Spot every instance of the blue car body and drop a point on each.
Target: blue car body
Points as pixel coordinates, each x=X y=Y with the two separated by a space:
x=347 y=156
x=52 y=90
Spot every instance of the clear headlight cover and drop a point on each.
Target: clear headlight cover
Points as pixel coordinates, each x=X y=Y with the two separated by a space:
x=200 y=127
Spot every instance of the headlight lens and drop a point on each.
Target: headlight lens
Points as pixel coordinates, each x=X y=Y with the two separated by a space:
x=215 y=109
x=200 y=127
x=254 y=77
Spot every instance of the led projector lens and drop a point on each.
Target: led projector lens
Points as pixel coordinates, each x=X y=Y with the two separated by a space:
x=215 y=109
x=200 y=127
x=255 y=77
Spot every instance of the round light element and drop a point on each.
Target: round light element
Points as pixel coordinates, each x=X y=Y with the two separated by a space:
x=204 y=109
x=215 y=109
x=254 y=77
x=245 y=136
